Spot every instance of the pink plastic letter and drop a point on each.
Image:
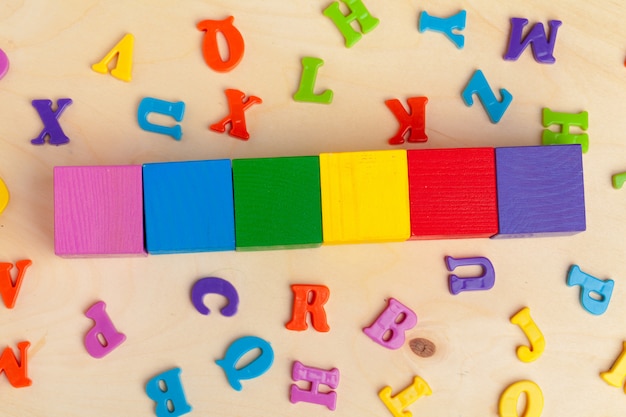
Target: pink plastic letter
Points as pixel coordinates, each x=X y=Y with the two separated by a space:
x=388 y=329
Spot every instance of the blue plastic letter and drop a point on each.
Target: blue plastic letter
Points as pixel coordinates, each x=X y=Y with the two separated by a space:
x=588 y=285
x=254 y=369
x=170 y=400
x=152 y=105
x=445 y=25
x=478 y=85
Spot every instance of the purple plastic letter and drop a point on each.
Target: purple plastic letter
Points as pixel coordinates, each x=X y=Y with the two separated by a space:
x=50 y=121
x=213 y=285
x=542 y=46
x=394 y=321
x=482 y=282
x=315 y=376
x=104 y=327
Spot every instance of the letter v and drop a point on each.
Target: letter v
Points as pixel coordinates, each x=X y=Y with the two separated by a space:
x=8 y=289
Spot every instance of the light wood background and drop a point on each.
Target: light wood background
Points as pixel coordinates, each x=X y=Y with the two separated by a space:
x=51 y=46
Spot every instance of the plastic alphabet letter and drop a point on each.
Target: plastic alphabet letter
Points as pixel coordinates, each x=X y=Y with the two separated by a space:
x=542 y=46
x=617 y=180
x=16 y=372
x=566 y=120
x=478 y=85
x=535 y=337
x=8 y=289
x=445 y=25
x=397 y=405
x=507 y=407
x=358 y=12
x=315 y=376
x=4 y=64
x=252 y=370
x=589 y=284
x=152 y=105
x=413 y=123
x=388 y=329
x=50 y=120
x=213 y=285
x=318 y=295
x=307 y=82
x=124 y=66
x=104 y=328
x=210 y=47
x=170 y=401
x=617 y=374
x=4 y=196
x=237 y=104
x=484 y=282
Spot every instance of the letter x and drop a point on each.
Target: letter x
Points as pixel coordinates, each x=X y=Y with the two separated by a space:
x=50 y=121
x=237 y=105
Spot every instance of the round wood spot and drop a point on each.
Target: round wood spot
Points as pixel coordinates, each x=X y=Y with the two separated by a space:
x=423 y=348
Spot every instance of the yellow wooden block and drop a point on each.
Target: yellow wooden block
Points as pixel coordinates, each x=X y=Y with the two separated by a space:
x=365 y=197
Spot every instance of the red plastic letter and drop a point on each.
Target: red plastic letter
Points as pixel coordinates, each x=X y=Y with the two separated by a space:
x=15 y=372
x=237 y=104
x=9 y=290
x=210 y=48
x=309 y=299
x=413 y=124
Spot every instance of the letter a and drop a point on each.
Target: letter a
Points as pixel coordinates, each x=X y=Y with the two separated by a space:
x=542 y=46
x=210 y=48
x=104 y=328
x=16 y=372
x=124 y=66
x=617 y=374
x=413 y=123
x=318 y=295
x=7 y=288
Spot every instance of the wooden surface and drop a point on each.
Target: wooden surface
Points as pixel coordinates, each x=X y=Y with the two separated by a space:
x=51 y=47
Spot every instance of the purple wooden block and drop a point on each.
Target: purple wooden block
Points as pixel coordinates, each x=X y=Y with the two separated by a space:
x=540 y=191
x=98 y=211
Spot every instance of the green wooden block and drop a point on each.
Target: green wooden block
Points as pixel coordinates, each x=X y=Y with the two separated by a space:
x=277 y=203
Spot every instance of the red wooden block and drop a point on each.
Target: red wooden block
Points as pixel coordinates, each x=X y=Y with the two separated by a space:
x=452 y=193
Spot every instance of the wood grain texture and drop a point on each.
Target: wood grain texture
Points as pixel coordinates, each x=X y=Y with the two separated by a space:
x=540 y=190
x=277 y=203
x=365 y=197
x=51 y=47
x=98 y=211
x=188 y=206
x=452 y=193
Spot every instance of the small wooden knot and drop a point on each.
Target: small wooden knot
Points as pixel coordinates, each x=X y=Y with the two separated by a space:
x=423 y=348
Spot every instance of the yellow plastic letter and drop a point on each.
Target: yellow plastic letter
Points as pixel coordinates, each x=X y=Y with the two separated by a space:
x=404 y=398
x=4 y=196
x=124 y=66
x=534 y=400
x=535 y=337
x=616 y=375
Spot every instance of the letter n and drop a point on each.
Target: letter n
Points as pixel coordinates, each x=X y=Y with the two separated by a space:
x=14 y=370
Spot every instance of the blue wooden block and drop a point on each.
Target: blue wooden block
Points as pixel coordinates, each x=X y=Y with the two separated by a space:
x=540 y=191
x=189 y=206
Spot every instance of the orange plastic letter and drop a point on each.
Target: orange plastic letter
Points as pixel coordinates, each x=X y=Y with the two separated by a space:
x=9 y=290
x=210 y=48
x=15 y=372
x=237 y=104
x=309 y=299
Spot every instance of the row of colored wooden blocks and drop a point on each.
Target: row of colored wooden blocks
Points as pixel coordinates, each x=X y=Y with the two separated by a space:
x=333 y=198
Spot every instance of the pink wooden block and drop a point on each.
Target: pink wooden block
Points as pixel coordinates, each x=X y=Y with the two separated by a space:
x=98 y=211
